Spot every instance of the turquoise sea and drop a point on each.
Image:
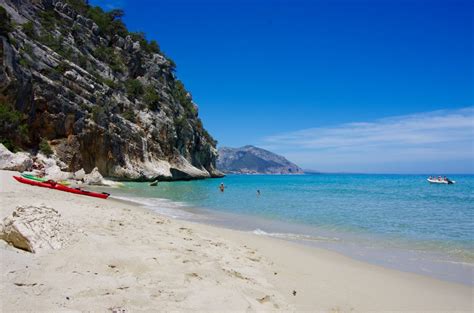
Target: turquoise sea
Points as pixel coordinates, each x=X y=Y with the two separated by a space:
x=398 y=221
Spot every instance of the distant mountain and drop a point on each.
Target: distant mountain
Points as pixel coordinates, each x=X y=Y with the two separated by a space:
x=253 y=160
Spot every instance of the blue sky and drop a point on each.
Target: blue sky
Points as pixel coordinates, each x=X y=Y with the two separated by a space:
x=263 y=71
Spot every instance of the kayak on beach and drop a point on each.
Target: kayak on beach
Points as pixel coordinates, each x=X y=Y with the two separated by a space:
x=40 y=179
x=53 y=185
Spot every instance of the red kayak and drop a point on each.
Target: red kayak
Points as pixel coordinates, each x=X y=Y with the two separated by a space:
x=53 y=185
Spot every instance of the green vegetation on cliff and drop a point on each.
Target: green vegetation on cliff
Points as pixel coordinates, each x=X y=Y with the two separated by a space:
x=181 y=95
x=134 y=88
x=108 y=55
x=151 y=97
x=149 y=46
x=29 y=29
x=45 y=147
x=110 y=23
x=12 y=127
x=5 y=22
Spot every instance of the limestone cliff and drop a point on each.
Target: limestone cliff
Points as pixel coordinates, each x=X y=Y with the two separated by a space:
x=75 y=82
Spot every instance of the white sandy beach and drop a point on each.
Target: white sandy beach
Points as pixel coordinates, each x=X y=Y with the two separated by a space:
x=122 y=257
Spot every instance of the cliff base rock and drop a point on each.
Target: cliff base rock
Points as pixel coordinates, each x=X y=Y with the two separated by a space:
x=10 y=161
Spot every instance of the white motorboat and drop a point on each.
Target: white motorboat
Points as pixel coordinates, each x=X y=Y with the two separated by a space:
x=441 y=181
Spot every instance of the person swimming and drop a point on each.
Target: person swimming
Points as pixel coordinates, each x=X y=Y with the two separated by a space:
x=222 y=187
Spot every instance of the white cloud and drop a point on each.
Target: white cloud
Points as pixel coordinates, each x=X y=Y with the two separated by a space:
x=427 y=142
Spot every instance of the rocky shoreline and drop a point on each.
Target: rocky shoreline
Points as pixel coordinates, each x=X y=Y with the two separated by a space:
x=50 y=168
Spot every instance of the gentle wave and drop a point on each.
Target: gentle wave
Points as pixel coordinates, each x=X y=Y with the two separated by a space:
x=173 y=209
x=293 y=236
x=466 y=264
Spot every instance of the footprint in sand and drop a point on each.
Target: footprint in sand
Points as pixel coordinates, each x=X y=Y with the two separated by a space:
x=234 y=273
x=185 y=230
x=193 y=275
x=264 y=299
x=25 y=284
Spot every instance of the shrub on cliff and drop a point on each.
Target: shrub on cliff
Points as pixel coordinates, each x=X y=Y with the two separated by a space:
x=180 y=123
x=45 y=148
x=130 y=115
x=80 y=6
x=109 y=82
x=98 y=115
x=9 y=120
x=29 y=29
x=48 y=19
x=171 y=63
x=52 y=42
x=181 y=95
x=13 y=131
x=151 y=97
x=134 y=88
x=209 y=138
x=110 y=23
x=153 y=47
x=109 y=56
x=205 y=133
x=148 y=46
x=5 y=22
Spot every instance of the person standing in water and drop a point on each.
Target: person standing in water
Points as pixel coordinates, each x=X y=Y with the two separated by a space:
x=258 y=192
x=221 y=187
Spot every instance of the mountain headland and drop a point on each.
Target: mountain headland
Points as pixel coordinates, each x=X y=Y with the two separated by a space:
x=253 y=160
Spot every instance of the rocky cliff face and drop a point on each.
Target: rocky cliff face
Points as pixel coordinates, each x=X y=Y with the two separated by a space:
x=73 y=80
x=253 y=160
